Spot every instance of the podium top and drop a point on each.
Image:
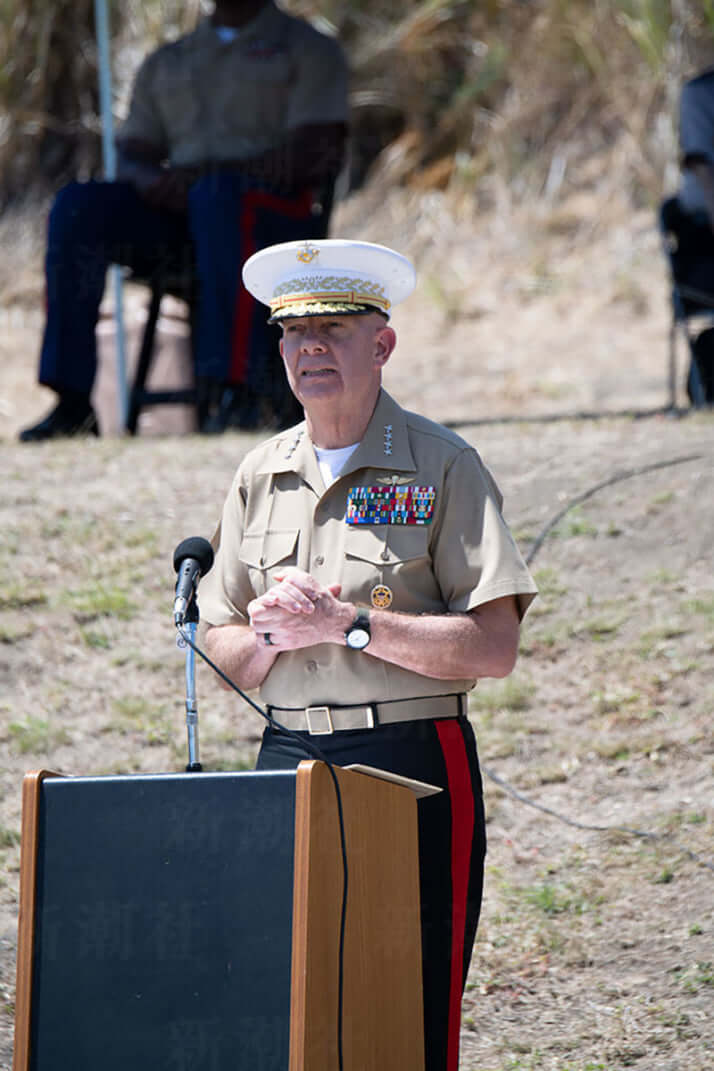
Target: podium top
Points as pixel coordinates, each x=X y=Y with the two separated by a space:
x=419 y=788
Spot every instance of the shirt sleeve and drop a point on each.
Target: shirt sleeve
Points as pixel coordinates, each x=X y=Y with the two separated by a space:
x=319 y=90
x=144 y=122
x=475 y=557
x=696 y=120
x=225 y=592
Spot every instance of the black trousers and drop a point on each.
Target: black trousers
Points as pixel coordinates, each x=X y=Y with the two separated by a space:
x=452 y=847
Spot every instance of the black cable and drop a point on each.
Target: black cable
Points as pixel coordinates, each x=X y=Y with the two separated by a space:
x=312 y=749
x=577 y=500
x=645 y=834
x=627 y=474
x=558 y=418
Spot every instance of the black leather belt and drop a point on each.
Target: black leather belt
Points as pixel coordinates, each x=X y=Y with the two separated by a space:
x=323 y=720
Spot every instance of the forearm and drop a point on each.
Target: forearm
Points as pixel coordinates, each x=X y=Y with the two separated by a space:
x=310 y=156
x=453 y=646
x=138 y=162
x=138 y=172
x=162 y=186
x=239 y=652
x=299 y=613
x=445 y=647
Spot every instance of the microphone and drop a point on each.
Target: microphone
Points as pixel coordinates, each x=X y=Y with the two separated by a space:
x=193 y=558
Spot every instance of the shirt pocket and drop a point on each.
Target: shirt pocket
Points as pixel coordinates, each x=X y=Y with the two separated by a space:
x=396 y=556
x=268 y=552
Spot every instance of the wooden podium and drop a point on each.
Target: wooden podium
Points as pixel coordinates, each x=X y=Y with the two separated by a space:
x=190 y=922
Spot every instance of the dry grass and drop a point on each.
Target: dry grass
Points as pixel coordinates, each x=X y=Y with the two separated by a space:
x=542 y=293
x=595 y=948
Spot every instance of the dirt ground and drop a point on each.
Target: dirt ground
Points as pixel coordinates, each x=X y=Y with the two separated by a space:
x=545 y=343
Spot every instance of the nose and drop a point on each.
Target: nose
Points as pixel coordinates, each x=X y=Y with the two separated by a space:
x=312 y=341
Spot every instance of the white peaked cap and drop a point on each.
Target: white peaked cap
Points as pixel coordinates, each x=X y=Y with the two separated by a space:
x=328 y=276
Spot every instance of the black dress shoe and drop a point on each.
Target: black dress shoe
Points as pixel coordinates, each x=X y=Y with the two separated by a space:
x=66 y=420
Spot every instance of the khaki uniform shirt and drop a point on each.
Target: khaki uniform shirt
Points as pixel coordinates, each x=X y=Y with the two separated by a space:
x=203 y=100
x=278 y=513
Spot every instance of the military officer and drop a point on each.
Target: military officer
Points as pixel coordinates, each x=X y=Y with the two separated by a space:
x=365 y=579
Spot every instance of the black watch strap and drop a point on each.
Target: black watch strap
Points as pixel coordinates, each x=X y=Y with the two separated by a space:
x=359 y=634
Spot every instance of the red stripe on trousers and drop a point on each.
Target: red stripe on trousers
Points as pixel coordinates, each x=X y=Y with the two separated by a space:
x=294 y=208
x=462 y=828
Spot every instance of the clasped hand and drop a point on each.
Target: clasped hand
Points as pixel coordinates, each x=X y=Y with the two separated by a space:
x=298 y=612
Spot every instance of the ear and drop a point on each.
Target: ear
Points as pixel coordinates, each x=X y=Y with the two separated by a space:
x=385 y=341
x=280 y=347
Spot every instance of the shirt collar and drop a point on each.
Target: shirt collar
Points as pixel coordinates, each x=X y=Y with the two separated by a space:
x=293 y=452
x=385 y=446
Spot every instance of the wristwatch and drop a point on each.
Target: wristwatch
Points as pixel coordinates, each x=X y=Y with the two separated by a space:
x=358 y=634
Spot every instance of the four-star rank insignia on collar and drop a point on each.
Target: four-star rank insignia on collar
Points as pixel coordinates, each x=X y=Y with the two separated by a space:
x=390 y=505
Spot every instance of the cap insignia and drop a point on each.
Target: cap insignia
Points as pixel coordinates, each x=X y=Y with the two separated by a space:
x=307 y=254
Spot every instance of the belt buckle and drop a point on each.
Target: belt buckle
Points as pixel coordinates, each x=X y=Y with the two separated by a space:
x=369 y=720
x=317 y=712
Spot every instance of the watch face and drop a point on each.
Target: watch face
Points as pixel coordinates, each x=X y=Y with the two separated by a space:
x=357 y=638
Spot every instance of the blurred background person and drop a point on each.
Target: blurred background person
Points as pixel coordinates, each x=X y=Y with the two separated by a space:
x=688 y=220
x=234 y=137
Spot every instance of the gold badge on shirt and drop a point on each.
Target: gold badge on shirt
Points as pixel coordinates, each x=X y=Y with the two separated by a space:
x=381 y=596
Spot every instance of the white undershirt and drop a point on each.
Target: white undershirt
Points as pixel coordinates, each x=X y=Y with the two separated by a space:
x=332 y=462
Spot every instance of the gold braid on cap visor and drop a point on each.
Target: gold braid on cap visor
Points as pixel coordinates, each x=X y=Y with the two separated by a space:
x=321 y=308
x=330 y=290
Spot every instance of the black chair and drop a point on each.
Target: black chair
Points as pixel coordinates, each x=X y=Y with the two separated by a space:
x=180 y=281
x=180 y=284
x=689 y=248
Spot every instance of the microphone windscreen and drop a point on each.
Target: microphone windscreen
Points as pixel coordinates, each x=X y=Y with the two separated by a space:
x=197 y=548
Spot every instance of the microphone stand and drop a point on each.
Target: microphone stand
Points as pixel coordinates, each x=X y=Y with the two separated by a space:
x=191 y=626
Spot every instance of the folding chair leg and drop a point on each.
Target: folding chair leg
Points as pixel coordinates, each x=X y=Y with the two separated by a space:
x=673 y=364
x=695 y=386
x=144 y=363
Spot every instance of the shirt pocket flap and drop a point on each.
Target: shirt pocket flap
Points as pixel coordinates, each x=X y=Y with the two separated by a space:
x=387 y=544
x=263 y=550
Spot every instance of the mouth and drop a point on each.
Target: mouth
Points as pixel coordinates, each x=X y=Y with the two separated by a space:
x=316 y=373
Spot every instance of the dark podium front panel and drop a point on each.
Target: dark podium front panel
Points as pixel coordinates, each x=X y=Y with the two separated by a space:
x=163 y=920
